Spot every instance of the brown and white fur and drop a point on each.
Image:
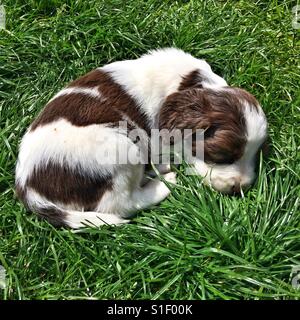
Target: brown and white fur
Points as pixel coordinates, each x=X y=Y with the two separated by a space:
x=60 y=172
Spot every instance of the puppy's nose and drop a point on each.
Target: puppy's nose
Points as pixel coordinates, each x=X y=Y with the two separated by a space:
x=236 y=188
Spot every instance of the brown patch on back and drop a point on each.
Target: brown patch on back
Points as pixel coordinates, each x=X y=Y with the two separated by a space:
x=90 y=80
x=62 y=184
x=84 y=110
x=192 y=80
x=218 y=112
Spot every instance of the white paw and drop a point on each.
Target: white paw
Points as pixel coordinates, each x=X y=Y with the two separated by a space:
x=170 y=177
x=164 y=168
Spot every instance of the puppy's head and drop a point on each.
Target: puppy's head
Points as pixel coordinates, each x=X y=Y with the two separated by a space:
x=235 y=129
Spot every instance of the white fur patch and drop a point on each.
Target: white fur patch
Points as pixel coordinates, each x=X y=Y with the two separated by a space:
x=256 y=123
x=93 y=92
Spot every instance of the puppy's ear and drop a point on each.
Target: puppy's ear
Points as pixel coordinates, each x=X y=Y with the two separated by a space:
x=215 y=112
x=186 y=109
x=192 y=80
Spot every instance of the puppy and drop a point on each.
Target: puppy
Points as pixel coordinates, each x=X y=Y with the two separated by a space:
x=67 y=171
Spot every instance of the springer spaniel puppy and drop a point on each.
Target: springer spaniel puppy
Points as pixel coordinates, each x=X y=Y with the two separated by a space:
x=65 y=170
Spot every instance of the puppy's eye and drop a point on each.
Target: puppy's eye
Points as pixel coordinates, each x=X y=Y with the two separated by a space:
x=210 y=132
x=227 y=161
x=220 y=159
x=223 y=161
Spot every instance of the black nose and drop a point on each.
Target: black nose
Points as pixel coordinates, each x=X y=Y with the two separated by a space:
x=236 y=188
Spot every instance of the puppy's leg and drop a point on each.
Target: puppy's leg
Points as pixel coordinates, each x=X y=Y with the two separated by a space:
x=118 y=205
x=153 y=192
x=161 y=168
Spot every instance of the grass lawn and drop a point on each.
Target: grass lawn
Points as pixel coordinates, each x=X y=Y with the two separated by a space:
x=197 y=244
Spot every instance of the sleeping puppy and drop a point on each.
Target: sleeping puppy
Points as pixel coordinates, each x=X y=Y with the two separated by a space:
x=67 y=171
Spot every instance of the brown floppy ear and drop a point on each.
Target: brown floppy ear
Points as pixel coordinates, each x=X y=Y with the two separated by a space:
x=192 y=80
x=218 y=113
x=185 y=110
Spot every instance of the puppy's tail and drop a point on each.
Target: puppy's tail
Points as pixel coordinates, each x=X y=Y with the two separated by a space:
x=71 y=218
x=78 y=219
x=59 y=216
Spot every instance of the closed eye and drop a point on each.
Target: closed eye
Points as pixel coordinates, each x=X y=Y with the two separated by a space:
x=220 y=161
x=229 y=161
x=226 y=161
x=210 y=132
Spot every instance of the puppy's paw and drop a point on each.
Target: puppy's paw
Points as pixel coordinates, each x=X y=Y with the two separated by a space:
x=164 y=168
x=170 y=177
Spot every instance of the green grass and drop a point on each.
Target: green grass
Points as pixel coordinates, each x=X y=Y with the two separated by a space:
x=197 y=244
